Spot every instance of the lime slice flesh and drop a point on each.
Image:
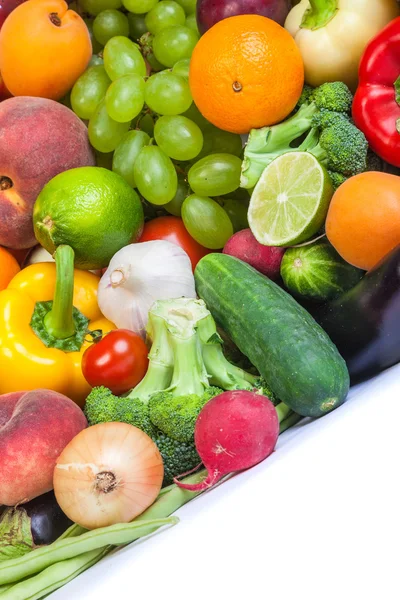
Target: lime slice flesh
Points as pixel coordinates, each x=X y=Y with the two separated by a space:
x=290 y=201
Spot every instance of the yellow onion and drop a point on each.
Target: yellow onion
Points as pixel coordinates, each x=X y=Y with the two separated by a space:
x=108 y=474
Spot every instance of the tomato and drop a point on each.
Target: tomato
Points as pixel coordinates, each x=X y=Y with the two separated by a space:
x=173 y=230
x=118 y=361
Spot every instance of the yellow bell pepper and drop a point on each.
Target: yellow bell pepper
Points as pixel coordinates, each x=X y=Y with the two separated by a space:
x=26 y=363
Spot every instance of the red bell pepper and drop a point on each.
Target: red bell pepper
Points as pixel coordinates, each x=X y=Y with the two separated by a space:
x=376 y=106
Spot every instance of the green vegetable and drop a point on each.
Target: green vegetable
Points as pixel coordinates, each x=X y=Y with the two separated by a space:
x=321 y=126
x=281 y=339
x=15 y=534
x=317 y=272
x=186 y=369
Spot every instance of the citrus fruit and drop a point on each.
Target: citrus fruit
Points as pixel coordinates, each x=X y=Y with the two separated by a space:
x=246 y=72
x=317 y=272
x=91 y=209
x=8 y=268
x=363 y=222
x=290 y=201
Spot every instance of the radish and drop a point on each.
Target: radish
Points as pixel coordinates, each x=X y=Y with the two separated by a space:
x=234 y=431
x=265 y=259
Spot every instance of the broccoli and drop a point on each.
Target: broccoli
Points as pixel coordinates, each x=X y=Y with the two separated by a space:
x=186 y=369
x=321 y=126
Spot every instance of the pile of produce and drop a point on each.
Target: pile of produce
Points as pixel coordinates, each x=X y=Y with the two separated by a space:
x=199 y=247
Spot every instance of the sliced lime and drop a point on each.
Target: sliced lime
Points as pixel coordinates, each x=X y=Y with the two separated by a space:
x=290 y=201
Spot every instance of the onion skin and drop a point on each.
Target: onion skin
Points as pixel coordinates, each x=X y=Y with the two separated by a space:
x=110 y=474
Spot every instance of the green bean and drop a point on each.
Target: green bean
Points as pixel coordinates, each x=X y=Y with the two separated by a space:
x=53 y=577
x=72 y=531
x=41 y=558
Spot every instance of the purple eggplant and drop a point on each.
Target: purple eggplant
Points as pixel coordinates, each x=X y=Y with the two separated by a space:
x=364 y=323
x=210 y=12
x=38 y=522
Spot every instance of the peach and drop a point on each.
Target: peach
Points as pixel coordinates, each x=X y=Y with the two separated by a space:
x=35 y=427
x=39 y=138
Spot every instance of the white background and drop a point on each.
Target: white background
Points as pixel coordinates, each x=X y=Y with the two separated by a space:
x=319 y=520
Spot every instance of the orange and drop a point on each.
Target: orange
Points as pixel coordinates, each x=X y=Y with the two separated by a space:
x=246 y=72
x=8 y=268
x=363 y=221
x=44 y=48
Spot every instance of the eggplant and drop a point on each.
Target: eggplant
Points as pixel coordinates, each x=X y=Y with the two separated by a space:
x=36 y=523
x=364 y=323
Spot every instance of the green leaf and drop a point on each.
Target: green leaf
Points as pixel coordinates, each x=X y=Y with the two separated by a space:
x=15 y=534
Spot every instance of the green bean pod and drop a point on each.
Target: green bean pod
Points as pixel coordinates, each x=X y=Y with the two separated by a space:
x=61 y=550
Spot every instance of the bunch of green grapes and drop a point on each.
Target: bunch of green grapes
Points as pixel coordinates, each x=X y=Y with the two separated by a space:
x=143 y=124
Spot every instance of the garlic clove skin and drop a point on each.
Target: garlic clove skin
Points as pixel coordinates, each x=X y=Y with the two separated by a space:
x=140 y=274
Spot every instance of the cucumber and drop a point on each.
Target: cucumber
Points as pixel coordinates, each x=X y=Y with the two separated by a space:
x=281 y=339
x=317 y=272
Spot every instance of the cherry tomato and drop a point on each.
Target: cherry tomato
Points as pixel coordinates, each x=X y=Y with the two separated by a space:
x=173 y=230
x=118 y=361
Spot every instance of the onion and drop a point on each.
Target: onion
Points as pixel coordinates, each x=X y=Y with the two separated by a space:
x=108 y=474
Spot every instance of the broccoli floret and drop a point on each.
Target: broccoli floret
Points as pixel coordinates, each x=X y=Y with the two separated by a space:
x=306 y=95
x=334 y=96
x=322 y=126
x=262 y=387
x=176 y=415
x=178 y=457
x=337 y=179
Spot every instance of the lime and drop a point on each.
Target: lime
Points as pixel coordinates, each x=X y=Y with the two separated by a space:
x=91 y=209
x=290 y=201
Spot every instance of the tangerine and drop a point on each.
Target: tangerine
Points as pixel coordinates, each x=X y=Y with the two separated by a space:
x=9 y=267
x=363 y=222
x=246 y=72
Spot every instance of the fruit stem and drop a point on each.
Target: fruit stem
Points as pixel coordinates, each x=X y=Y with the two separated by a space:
x=59 y=322
x=55 y=19
x=5 y=183
x=319 y=14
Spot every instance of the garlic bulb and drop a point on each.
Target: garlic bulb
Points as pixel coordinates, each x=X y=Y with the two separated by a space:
x=140 y=274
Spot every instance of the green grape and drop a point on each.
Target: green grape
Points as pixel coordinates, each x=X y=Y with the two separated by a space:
x=125 y=98
x=155 y=176
x=104 y=133
x=165 y=14
x=146 y=44
x=174 y=43
x=175 y=206
x=146 y=124
x=108 y=24
x=178 y=137
x=191 y=22
x=127 y=152
x=215 y=175
x=218 y=141
x=89 y=90
x=167 y=93
x=104 y=160
x=206 y=221
x=182 y=68
x=237 y=212
x=123 y=57
x=189 y=6
x=96 y=47
x=137 y=26
x=139 y=7
x=94 y=7
x=195 y=115
x=96 y=60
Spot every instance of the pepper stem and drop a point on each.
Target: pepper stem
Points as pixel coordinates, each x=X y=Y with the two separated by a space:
x=319 y=14
x=59 y=322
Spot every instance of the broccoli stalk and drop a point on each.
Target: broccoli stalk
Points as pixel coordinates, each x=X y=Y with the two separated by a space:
x=321 y=126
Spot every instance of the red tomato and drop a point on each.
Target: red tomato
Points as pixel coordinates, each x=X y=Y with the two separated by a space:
x=173 y=230
x=118 y=361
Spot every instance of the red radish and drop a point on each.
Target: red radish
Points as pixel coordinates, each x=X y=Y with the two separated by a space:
x=266 y=259
x=234 y=431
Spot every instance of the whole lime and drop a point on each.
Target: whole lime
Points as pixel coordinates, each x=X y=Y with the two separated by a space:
x=93 y=210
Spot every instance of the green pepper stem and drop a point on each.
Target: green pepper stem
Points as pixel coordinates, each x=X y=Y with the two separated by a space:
x=319 y=14
x=59 y=322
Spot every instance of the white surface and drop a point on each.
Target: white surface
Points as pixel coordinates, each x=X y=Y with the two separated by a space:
x=317 y=520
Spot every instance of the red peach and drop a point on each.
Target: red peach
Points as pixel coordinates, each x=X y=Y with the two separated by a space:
x=35 y=427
